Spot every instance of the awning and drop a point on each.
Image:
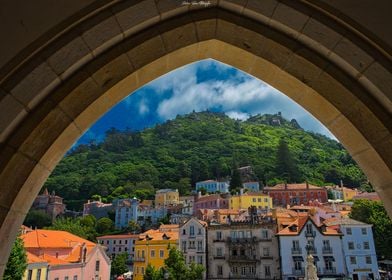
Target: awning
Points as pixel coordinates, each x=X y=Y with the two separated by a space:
x=329 y=258
x=298 y=259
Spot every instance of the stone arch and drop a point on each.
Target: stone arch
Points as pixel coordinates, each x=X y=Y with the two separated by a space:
x=52 y=95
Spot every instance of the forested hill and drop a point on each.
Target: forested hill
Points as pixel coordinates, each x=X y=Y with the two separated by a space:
x=196 y=147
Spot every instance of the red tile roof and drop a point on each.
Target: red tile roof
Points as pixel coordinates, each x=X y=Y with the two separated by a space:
x=301 y=186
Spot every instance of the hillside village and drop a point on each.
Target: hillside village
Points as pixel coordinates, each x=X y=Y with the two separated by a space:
x=255 y=233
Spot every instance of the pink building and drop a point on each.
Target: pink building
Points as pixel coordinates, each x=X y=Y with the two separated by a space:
x=69 y=256
x=213 y=201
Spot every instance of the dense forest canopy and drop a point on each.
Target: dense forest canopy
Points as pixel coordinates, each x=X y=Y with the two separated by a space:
x=196 y=147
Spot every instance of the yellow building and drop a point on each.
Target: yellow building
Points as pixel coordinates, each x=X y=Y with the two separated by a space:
x=166 y=197
x=348 y=193
x=153 y=248
x=246 y=200
x=37 y=268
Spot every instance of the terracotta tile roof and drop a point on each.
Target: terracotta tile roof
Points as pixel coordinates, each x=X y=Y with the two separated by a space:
x=301 y=186
x=369 y=196
x=228 y=212
x=342 y=221
x=299 y=224
x=118 y=236
x=211 y=197
x=41 y=238
x=31 y=258
x=157 y=235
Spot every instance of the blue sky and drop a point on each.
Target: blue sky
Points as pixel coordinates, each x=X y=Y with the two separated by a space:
x=199 y=86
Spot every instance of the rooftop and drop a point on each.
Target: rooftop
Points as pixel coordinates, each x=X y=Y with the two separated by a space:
x=302 y=186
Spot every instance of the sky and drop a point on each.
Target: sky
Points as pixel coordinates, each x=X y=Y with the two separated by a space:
x=204 y=85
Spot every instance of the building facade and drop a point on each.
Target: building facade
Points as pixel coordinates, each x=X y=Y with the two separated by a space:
x=358 y=248
x=242 y=250
x=37 y=268
x=248 y=199
x=296 y=194
x=120 y=243
x=303 y=236
x=252 y=186
x=68 y=256
x=166 y=197
x=192 y=242
x=153 y=248
x=126 y=210
x=212 y=186
x=97 y=208
x=213 y=201
x=51 y=204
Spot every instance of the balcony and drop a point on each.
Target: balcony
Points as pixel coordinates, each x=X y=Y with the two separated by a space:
x=331 y=270
x=266 y=257
x=299 y=272
x=296 y=251
x=327 y=250
x=242 y=276
x=242 y=240
x=311 y=233
x=219 y=257
x=312 y=250
x=139 y=259
x=243 y=259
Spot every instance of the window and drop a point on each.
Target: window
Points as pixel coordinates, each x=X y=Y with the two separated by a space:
x=114 y=241
x=200 y=259
x=75 y=277
x=295 y=244
x=39 y=274
x=97 y=266
x=219 y=252
x=191 y=230
x=351 y=245
x=119 y=242
x=243 y=270
x=126 y=241
x=259 y=200
x=142 y=270
x=309 y=228
x=192 y=245
x=161 y=253
x=353 y=260
x=30 y=274
x=254 y=199
x=368 y=259
x=264 y=234
x=126 y=249
x=199 y=246
x=142 y=253
x=364 y=231
x=119 y=249
x=266 y=252
x=219 y=270
x=56 y=278
x=66 y=278
x=348 y=231
x=183 y=246
x=234 y=269
x=326 y=243
x=366 y=245
x=152 y=253
x=267 y=270
x=184 y=231
x=218 y=235
x=107 y=241
x=114 y=249
x=199 y=231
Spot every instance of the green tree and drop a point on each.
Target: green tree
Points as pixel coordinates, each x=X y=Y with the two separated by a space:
x=236 y=181
x=330 y=194
x=104 y=225
x=37 y=218
x=133 y=227
x=178 y=270
x=152 y=273
x=373 y=212
x=286 y=167
x=119 y=264
x=17 y=262
x=74 y=226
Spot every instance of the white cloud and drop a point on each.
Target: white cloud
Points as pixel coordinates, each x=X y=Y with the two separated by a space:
x=237 y=115
x=143 y=107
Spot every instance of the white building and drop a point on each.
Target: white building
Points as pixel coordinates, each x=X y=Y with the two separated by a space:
x=117 y=244
x=322 y=242
x=358 y=248
x=126 y=210
x=187 y=204
x=252 y=186
x=212 y=186
x=193 y=241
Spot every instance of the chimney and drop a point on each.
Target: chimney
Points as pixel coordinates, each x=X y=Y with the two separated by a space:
x=307 y=185
x=285 y=186
x=341 y=183
x=198 y=194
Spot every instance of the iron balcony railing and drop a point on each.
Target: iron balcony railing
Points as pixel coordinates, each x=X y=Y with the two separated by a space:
x=331 y=270
x=327 y=250
x=297 y=251
x=298 y=271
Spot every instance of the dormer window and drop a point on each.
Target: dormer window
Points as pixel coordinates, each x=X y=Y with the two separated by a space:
x=309 y=228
